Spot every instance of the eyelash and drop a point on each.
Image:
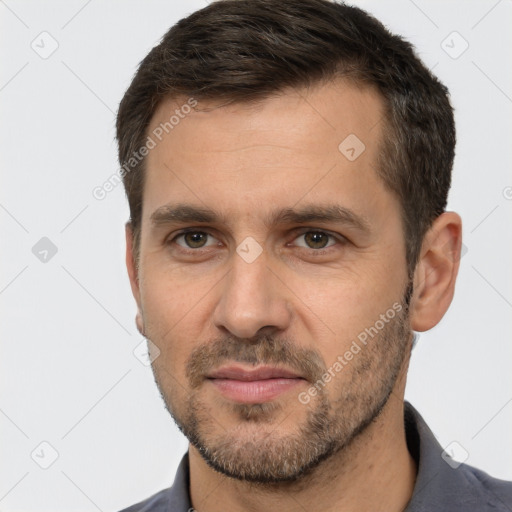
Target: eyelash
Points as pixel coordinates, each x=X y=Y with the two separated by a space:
x=339 y=238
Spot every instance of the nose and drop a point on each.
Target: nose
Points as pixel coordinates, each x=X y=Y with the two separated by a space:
x=252 y=299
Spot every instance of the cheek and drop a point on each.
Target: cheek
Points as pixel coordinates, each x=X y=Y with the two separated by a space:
x=176 y=312
x=168 y=294
x=343 y=308
x=167 y=310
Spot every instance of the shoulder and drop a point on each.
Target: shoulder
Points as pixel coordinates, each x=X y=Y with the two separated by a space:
x=490 y=492
x=159 y=502
x=173 y=499
x=445 y=485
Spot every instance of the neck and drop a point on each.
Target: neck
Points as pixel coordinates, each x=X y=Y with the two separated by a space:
x=375 y=472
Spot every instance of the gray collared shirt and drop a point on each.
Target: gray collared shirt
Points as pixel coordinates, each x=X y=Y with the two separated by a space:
x=442 y=484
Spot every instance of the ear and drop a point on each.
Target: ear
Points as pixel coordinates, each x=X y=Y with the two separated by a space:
x=436 y=272
x=133 y=274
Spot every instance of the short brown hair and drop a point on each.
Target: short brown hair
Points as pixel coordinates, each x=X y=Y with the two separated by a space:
x=245 y=50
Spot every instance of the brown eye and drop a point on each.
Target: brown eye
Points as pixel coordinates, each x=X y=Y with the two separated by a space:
x=193 y=239
x=315 y=240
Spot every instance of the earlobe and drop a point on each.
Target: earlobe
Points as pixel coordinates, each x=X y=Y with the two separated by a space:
x=436 y=272
x=139 y=322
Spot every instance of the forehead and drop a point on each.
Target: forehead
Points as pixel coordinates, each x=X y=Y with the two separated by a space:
x=338 y=107
x=322 y=141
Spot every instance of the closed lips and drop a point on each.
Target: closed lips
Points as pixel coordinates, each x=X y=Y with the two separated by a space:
x=263 y=373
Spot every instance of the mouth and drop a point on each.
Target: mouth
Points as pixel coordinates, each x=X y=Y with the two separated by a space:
x=253 y=386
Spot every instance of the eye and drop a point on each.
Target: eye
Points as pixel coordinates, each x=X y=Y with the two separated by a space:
x=316 y=239
x=194 y=239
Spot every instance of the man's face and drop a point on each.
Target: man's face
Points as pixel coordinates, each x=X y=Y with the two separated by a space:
x=269 y=282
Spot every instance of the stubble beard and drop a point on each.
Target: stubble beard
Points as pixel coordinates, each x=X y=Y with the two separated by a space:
x=255 y=450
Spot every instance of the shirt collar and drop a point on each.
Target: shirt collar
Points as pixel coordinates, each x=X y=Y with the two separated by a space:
x=439 y=485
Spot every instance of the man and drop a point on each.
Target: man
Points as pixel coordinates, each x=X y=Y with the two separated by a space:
x=287 y=166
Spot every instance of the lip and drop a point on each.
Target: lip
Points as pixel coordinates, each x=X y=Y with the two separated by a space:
x=261 y=373
x=254 y=386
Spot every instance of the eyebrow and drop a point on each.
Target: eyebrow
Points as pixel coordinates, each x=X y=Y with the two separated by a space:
x=183 y=213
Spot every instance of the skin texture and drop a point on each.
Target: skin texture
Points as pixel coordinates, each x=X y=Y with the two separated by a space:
x=297 y=305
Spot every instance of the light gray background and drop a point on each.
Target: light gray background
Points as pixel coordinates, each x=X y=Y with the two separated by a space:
x=68 y=373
